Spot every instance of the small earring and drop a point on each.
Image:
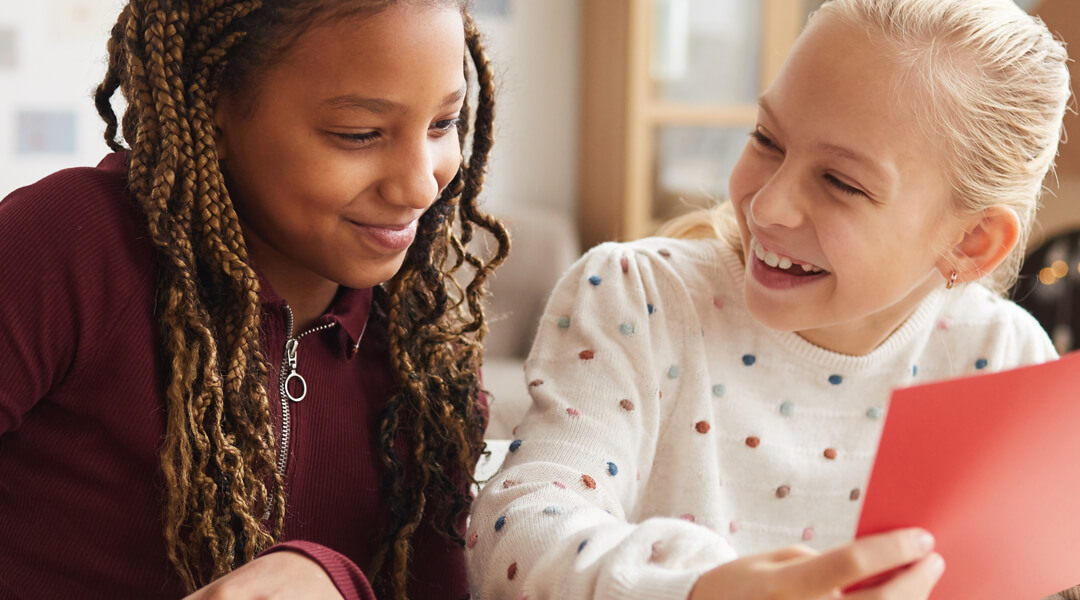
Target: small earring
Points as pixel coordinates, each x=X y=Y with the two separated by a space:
x=951 y=282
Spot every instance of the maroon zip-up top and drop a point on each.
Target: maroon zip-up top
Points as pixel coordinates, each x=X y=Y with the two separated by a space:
x=82 y=411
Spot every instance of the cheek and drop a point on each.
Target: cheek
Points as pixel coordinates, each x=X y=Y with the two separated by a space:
x=447 y=161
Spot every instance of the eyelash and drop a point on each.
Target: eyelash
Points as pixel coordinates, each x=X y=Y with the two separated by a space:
x=442 y=127
x=840 y=186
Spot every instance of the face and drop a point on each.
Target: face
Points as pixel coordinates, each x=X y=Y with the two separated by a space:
x=843 y=205
x=351 y=137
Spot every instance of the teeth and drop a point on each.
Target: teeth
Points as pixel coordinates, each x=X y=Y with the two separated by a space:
x=775 y=260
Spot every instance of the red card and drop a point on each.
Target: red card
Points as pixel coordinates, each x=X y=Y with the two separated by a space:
x=990 y=465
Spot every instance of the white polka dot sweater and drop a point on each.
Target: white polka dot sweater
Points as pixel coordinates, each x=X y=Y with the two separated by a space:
x=670 y=432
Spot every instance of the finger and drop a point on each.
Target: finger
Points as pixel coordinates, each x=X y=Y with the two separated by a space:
x=853 y=562
x=915 y=582
x=793 y=552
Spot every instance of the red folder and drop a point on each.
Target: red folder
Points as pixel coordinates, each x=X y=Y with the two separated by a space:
x=990 y=465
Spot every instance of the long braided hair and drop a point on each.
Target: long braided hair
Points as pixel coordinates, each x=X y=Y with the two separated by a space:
x=171 y=59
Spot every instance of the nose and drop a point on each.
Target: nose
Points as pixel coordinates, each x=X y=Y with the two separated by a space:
x=776 y=203
x=412 y=175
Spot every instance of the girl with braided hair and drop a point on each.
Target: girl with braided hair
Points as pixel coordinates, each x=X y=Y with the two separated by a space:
x=237 y=357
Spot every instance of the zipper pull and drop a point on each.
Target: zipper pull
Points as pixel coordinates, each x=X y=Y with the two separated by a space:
x=291 y=346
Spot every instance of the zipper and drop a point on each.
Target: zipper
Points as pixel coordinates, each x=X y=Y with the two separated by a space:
x=288 y=374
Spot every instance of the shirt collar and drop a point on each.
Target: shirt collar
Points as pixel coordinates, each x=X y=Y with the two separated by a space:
x=350 y=309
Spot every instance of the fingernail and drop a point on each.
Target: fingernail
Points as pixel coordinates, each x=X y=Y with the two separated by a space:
x=937 y=564
x=924 y=542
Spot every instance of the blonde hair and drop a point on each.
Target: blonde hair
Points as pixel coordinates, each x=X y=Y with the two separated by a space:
x=995 y=85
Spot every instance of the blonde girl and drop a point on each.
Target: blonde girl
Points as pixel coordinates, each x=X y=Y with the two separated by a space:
x=707 y=405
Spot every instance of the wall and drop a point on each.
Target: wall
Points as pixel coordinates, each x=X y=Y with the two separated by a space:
x=52 y=54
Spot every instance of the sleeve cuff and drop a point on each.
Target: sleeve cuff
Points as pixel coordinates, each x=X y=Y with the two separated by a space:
x=349 y=580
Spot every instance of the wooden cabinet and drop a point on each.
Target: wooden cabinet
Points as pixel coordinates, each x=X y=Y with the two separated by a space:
x=669 y=95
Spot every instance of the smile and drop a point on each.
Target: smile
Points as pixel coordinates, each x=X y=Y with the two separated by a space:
x=783 y=263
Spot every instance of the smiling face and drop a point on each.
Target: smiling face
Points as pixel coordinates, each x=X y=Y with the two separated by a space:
x=350 y=140
x=843 y=205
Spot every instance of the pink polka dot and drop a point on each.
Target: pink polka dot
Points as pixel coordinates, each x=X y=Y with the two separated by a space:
x=559 y=485
x=718 y=302
x=509 y=483
x=733 y=527
x=654 y=552
x=639 y=475
x=688 y=517
x=473 y=538
x=944 y=324
x=625 y=264
x=808 y=534
x=626 y=405
x=573 y=412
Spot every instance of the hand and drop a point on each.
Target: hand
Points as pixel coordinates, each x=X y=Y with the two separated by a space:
x=282 y=574
x=799 y=573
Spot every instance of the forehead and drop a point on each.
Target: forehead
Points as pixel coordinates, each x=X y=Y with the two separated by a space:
x=841 y=87
x=402 y=50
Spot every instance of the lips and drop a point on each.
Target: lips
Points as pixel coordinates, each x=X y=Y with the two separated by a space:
x=395 y=237
x=783 y=263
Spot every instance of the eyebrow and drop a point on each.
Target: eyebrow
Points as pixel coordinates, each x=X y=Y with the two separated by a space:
x=382 y=105
x=875 y=167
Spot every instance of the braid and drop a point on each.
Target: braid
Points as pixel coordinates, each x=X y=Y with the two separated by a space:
x=169 y=58
x=435 y=351
x=218 y=455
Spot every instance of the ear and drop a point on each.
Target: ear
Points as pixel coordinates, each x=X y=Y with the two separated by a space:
x=987 y=241
x=221 y=118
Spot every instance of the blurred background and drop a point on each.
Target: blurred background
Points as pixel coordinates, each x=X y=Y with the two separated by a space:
x=613 y=115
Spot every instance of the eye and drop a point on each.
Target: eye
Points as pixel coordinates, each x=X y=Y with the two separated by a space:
x=446 y=125
x=843 y=187
x=358 y=139
x=763 y=141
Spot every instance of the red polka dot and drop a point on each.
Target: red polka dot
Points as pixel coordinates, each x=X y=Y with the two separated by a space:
x=830 y=453
x=661 y=394
x=665 y=253
x=855 y=494
x=718 y=302
x=511 y=571
x=626 y=405
x=586 y=355
x=688 y=517
x=625 y=264
x=509 y=483
x=471 y=543
x=536 y=382
x=808 y=534
x=559 y=484
x=733 y=527
x=753 y=441
x=702 y=427
x=589 y=482
x=573 y=412
x=944 y=324
x=783 y=491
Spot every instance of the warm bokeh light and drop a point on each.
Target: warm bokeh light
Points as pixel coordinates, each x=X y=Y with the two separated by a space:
x=1047 y=276
x=1061 y=268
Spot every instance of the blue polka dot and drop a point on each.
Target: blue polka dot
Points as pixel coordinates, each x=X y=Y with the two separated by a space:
x=514 y=445
x=981 y=363
x=748 y=359
x=914 y=370
x=626 y=329
x=612 y=469
x=553 y=510
x=651 y=308
x=836 y=379
x=718 y=390
x=500 y=523
x=595 y=280
x=564 y=322
x=581 y=546
x=874 y=412
x=787 y=409
x=673 y=371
